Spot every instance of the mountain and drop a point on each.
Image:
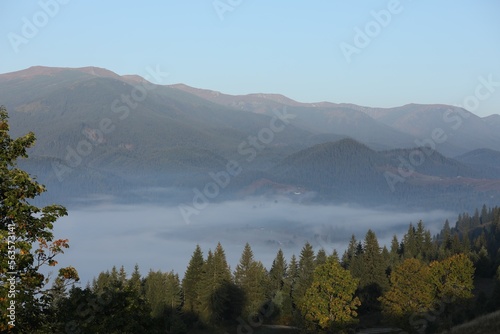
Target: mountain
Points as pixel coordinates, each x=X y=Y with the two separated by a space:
x=102 y=133
x=461 y=130
x=484 y=159
x=380 y=128
x=348 y=171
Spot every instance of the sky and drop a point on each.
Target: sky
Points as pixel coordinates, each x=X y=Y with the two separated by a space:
x=372 y=53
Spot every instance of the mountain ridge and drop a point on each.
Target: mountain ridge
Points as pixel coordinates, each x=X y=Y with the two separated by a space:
x=89 y=121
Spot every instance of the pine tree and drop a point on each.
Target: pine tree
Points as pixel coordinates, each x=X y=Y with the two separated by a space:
x=410 y=243
x=155 y=293
x=395 y=252
x=190 y=282
x=251 y=277
x=306 y=270
x=420 y=240
x=288 y=303
x=320 y=257
x=135 y=282
x=484 y=215
x=277 y=274
x=220 y=301
x=334 y=256
x=350 y=252
x=371 y=272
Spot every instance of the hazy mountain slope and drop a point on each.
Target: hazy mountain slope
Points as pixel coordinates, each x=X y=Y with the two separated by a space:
x=94 y=137
x=168 y=138
x=384 y=128
x=348 y=171
x=341 y=170
x=486 y=160
x=461 y=130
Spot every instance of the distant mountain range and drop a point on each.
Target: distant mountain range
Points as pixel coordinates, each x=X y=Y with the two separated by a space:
x=102 y=133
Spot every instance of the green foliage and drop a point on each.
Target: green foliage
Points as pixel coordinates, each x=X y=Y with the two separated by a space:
x=190 y=282
x=251 y=277
x=411 y=293
x=329 y=302
x=453 y=278
x=27 y=242
x=221 y=299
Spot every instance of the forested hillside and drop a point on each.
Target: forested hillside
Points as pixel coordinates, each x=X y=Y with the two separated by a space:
x=419 y=283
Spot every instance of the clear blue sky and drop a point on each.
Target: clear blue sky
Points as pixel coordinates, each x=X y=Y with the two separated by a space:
x=429 y=52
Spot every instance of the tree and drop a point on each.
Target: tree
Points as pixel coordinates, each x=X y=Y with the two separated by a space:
x=329 y=302
x=410 y=243
x=26 y=239
x=350 y=252
x=305 y=272
x=394 y=253
x=190 y=281
x=135 y=282
x=251 y=277
x=453 y=278
x=411 y=293
x=277 y=273
x=453 y=281
x=220 y=299
x=373 y=266
x=288 y=310
x=320 y=257
x=370 y=268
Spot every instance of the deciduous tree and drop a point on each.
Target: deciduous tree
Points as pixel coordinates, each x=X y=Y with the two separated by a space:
x=26 y=239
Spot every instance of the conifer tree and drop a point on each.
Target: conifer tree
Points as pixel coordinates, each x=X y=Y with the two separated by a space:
x=395 y=252
x=190 y=282
x=334 y=256
x=220 y=301
x=135 y=282
x=320 y=257
x=370 y=269
x=288 y=303
x=305 y=271
x=277 y=273
x=350 y=252
x=410 y=243
x=251 y=277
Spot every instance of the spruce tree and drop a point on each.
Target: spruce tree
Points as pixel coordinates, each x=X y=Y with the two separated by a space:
x=190 y=282
x=220 y=301
x=288 y=303
x=305 y=271
x=350 y=252
x=372 y=272
x=135 y=282
x=410 y=243
x=334 y=256
x=395 y=252
x=251 y=277
x=277 y=274
x=320 y=257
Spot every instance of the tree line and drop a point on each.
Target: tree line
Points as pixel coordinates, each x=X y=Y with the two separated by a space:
x=421 y=283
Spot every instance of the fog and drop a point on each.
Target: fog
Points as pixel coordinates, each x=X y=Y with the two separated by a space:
x=156 y=237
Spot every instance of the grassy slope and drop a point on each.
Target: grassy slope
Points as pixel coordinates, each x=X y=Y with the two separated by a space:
x=486 y=324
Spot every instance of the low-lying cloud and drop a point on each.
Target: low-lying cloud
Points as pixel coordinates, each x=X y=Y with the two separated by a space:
x=156 y=237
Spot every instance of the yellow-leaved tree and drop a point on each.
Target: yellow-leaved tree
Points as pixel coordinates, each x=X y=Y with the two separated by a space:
x=329 y=303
